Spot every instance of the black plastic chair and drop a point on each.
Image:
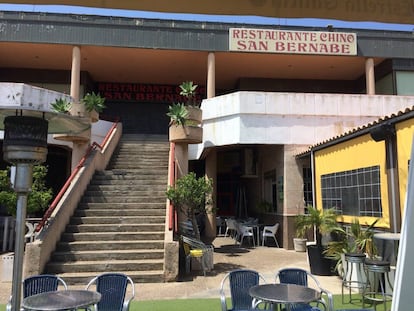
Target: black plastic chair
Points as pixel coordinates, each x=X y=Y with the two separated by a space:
x=113 y=290
x=301 y=277
x=239 y=282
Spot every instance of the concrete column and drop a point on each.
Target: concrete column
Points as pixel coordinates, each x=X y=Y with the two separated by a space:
x=211 y=172
x=79 y=149
x=370 y=76
x=293 y=201
x=211 y=75
x=75 y=73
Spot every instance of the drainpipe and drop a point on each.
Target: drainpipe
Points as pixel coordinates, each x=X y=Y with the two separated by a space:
x=386 y=132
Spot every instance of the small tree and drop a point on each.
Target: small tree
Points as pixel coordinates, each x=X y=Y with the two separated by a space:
x=191 y=195
x=38 y=198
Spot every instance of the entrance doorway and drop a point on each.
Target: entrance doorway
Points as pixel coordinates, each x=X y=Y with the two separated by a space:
x=140 y=118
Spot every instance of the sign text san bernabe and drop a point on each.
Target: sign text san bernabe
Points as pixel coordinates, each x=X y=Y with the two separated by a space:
x=292 y=42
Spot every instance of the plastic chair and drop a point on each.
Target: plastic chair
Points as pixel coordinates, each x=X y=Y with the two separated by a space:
x=113 y=288
x=38 y=284
x=239 y=282
x=245 y=231
x=231 y=228
x=194 y=248
x=301 y=277
x=270 y=232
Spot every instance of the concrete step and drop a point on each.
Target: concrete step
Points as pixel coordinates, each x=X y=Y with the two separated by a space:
x=115 y=228
x=111 y=236
x=104 y=245
x=137 y=254
x=83 y=278
x=119 y=223
x=120 y=213
x=121 y=190
x=118 y=220
x=139 y=199
x=104 y=266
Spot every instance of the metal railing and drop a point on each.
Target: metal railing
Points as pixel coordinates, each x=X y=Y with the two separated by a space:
x=172 y=170
x=65 y=187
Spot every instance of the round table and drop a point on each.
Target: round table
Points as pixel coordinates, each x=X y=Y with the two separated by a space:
x=283 y=294
x=61 y=300
x=393 y=239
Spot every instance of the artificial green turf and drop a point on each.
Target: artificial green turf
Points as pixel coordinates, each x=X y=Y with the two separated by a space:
x=213 y=304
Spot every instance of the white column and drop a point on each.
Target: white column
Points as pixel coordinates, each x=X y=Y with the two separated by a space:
x=211 y=75
x=370 y=76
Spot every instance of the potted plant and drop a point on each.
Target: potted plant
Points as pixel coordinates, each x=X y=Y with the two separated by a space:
x=357 y=240
x=299 y=241
x=185 y=118
x=94 y=104
x=322 y=222
x=61 y=105
x=191 y=195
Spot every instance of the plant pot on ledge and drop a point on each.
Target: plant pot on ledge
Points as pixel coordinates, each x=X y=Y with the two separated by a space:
x=185 y=134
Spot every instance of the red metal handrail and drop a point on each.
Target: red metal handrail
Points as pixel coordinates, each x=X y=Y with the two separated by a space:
x=65 y=187
x=172 y=176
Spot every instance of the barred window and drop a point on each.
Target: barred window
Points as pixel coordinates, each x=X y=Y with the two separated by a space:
x=355 y=192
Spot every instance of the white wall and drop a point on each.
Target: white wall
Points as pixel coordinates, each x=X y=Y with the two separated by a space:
x=289 y=118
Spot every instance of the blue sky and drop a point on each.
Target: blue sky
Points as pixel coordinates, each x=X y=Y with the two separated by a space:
x=212 y=18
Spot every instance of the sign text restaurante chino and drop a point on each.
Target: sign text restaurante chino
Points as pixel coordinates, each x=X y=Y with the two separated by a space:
x=292 y=42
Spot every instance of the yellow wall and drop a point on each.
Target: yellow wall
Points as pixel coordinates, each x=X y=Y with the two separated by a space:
x=405 y=132
x=356 y=153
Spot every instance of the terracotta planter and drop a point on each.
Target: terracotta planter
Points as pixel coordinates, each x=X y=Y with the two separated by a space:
x=186 y=134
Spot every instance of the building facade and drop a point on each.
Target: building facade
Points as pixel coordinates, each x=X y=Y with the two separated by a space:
x=268 y=92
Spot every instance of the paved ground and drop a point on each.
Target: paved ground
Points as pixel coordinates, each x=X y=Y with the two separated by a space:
x=227 y=256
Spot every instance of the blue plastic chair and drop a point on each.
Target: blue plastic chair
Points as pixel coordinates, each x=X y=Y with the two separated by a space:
x=239 y=282
x=301 y=277
x=113 y=290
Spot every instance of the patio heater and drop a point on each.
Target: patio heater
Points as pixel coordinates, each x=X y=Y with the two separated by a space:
x=27 y=119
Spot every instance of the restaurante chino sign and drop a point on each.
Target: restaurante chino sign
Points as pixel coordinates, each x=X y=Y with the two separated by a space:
x=292 y=42
x=140 y=92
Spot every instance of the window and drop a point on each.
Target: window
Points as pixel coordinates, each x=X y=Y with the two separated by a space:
x=355 y=192
x=307 y=186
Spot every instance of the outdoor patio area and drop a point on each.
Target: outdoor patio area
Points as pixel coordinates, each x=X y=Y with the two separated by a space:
x=227 y=256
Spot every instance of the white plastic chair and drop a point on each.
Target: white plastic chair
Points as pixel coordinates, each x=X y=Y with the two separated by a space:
x=231 y=228
x=270 y=232
x=246 y=231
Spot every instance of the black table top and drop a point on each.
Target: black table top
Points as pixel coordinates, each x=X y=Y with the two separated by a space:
x=61 y=300
x=284 y=293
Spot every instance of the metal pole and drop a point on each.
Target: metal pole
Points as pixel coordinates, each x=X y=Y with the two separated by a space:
x=22 y=185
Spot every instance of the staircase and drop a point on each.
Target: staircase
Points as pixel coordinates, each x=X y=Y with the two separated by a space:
x=119 y=223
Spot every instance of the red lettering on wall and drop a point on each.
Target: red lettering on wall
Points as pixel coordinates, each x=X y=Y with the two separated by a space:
x=139 y=92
